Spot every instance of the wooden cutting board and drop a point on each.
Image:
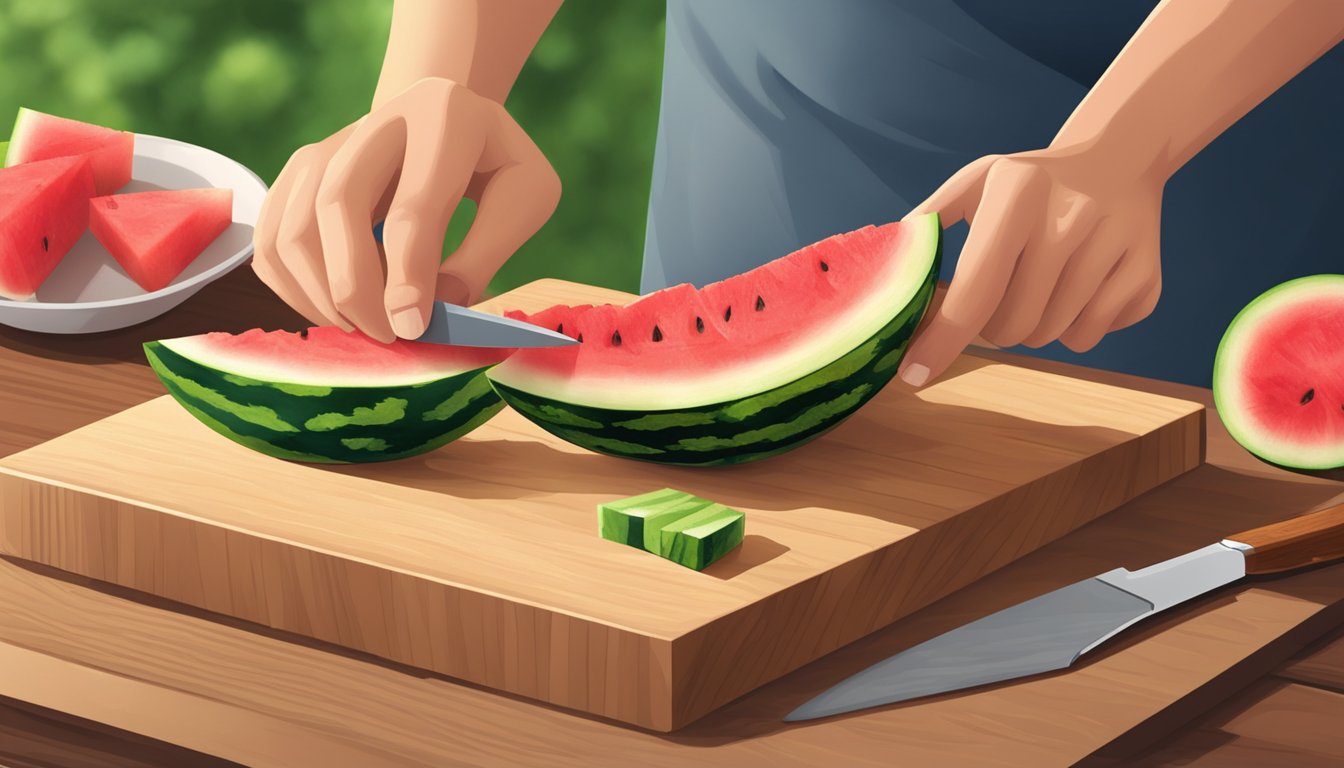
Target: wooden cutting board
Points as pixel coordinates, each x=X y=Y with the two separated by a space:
x=482 y=561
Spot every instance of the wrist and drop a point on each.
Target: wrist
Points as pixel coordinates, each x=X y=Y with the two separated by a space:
x=1140 y=156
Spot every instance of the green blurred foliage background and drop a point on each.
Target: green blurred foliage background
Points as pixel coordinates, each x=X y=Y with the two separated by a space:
x=256 y=79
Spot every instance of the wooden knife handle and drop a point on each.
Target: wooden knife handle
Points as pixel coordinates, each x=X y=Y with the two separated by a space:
x=1316 y=537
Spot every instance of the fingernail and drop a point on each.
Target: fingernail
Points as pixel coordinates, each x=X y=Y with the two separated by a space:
x=408 y=323
x=915 y=374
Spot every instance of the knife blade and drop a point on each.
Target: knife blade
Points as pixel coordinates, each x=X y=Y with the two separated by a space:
x=1050 y=632
x=463 y=327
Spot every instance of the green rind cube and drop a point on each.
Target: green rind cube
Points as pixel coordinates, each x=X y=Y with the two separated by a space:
x=697 y=540
x=678 y=526
x=624 y=520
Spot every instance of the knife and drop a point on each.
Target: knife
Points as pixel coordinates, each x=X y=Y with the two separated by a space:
x=451 y=324
x=462 y=327
x=1052 y=631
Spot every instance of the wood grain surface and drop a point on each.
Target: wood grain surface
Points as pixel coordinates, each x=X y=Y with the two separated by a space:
x=481 y=560
x=145 y=665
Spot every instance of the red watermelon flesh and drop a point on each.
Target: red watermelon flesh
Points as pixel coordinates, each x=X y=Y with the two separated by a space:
x=39 y=136
x=155 y=235
x=44 y=210
x=1279 y=375
x=765 y=327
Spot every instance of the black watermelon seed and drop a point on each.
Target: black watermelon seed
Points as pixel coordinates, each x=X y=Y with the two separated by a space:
x=560 y=328
x=580 y=339
x=44 y=243
x=1307 y=397
x=825 y=267
x=303 y=334
x=727 y=314
x=657 y=333
x=616 y=338
x=760 y=303
x=699 y=325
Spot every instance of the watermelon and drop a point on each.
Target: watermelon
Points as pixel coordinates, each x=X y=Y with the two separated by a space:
x=673 y=524
x=44 y=210
x=327 y=396
x=1278 y=376
x=39 y=136
x=739 y=370
x=156 y=235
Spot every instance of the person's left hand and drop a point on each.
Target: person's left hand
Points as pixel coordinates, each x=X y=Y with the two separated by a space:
x=1063 y=245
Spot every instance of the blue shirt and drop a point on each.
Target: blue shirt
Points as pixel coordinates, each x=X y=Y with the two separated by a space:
x=785 y=121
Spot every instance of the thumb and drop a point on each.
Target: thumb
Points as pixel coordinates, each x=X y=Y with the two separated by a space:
x=934 y=348
x=956 y=199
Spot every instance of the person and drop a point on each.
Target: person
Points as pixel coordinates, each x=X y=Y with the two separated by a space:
x=1055 y=129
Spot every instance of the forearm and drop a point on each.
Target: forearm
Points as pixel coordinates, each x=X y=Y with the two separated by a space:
x=479 y=43
x=1194 y=68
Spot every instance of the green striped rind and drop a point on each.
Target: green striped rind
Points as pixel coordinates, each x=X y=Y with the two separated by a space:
x=336 y=425
x=747 y=429
x=681 y=527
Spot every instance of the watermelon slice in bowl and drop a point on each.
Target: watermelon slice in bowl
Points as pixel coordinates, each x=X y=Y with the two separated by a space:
x=1278 y=375
x=739 y=370
x=90 y=291
x=44 y=209
x=326 y=396
x=39 y=136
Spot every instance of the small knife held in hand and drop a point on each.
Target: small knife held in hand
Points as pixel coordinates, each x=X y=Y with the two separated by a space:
x=1050 y=632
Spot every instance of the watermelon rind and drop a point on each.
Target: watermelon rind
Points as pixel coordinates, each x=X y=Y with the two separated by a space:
x=674 y=525
x=326 y=424
x=1229 y=370
x=756 y=426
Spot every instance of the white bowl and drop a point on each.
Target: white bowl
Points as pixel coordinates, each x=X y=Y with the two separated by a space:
x=89 y=291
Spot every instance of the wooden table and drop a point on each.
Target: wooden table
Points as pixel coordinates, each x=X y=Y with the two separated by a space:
x=1278 y=706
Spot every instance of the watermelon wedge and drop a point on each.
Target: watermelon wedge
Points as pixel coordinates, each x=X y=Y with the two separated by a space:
x=742 y=369
x=44 y=210
x=1278 y=376
x=39 y=136
x=156 y=235
x=327 y=396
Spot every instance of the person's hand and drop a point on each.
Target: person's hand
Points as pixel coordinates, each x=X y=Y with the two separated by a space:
x=1063 y=245
x=414 y=157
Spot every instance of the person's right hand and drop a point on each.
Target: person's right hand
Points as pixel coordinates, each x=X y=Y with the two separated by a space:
x=409 y=162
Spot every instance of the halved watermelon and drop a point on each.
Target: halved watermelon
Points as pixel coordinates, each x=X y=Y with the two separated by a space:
x=44 y=210
x=327 y=396
x=1278 y=377
x=741 y=369
x=39 y=136
x=155 y=235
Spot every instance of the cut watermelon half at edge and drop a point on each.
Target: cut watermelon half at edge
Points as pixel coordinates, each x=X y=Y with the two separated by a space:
x=1278 y=375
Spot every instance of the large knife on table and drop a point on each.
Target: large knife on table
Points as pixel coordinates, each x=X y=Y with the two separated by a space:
x=1052 y=631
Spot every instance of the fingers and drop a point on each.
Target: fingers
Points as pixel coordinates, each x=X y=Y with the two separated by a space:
x=434 y=177
x=266 y=260
x=1038 y=273
x=515 y=202
x=956 y=198
x=1127 y=291
x=300 y=246
x=983 y=272
x=354 y=180
x=1087 y=268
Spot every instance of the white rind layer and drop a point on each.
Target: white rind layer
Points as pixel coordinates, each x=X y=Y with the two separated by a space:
x=240 y=363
